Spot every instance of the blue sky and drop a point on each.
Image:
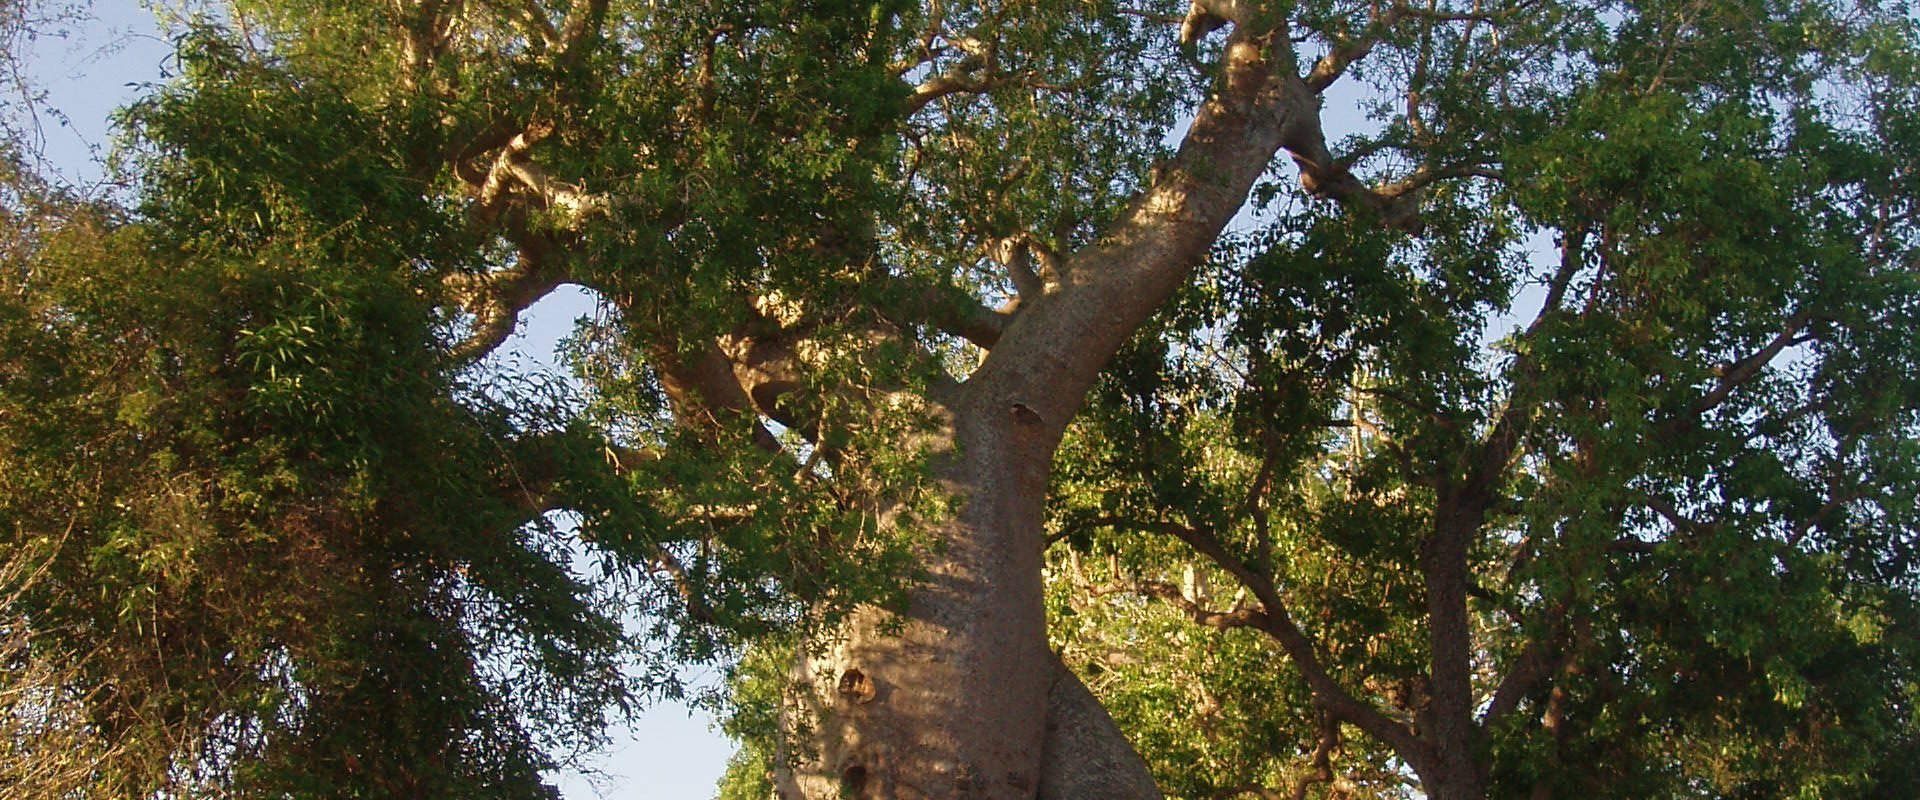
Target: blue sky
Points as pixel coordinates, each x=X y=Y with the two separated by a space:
x=670 y=752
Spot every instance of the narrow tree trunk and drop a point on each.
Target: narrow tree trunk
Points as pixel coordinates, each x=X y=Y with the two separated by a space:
x=1454 y=771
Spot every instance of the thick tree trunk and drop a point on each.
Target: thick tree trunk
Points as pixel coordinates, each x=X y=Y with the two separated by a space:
x=1451 y=768
x=965 y=700
x=1457 y=777
x=954 y=702
x=1085 y=755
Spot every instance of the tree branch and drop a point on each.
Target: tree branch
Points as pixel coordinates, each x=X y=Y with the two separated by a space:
x=1237 y=618
x=496 y=299
x=1017 y=255
x=1733 y=376
x=1322 y=760
x=706 y=394
x=1527 y=671
x=1327 y=691
x=581 y=23
x=945 y=307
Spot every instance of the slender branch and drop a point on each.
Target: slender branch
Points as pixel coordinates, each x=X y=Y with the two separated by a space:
x=697 y=607
x=1322 y=760
x=1427 y=176
x=1733 y=376
x=1161 y=590
x=1327 y=691
x=1503 y=439
x=1533 y=665
x=535 y=464
x=1680 y=522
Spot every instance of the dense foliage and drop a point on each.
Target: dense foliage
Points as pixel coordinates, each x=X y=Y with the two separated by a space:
x=1555 y=412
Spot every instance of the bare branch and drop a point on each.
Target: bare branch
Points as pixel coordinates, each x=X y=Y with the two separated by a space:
x=1331 y=66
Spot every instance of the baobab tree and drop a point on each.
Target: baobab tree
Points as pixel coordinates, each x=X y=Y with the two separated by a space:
x=861 y=267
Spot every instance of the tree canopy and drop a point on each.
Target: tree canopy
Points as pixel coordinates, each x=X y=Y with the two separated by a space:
x=1020 y=398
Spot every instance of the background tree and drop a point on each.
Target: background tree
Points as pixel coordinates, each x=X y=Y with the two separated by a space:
x=1655 y=540
x=861 y=266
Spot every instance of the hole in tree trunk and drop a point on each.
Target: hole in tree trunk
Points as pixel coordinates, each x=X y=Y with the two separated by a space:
x=853 y=782
x=856 y=686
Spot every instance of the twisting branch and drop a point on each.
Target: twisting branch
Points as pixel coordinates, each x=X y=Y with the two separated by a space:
x=513 y=169
x=496 y=299
x=951 y=82
x=493 y=186
x=1030 y=264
